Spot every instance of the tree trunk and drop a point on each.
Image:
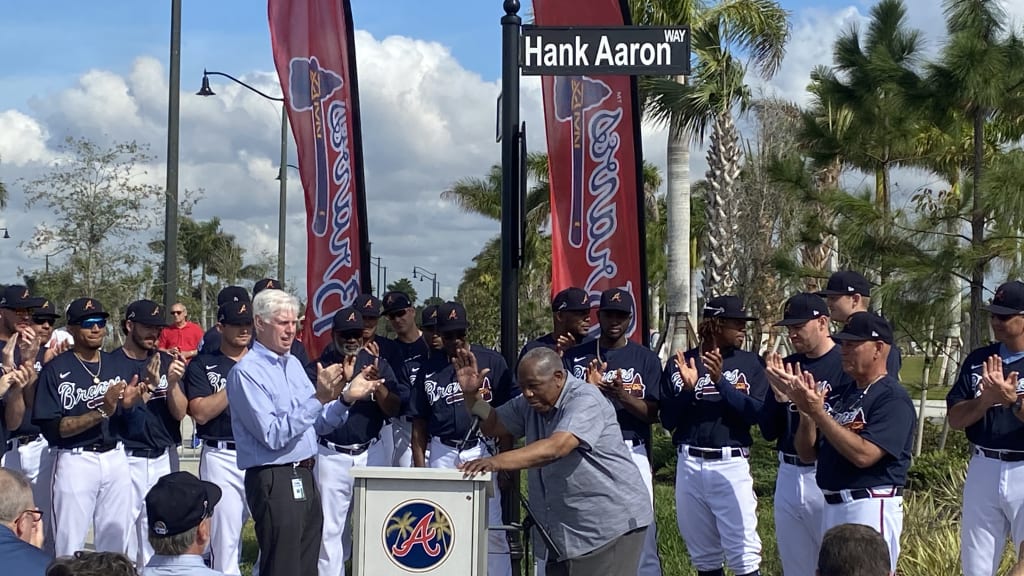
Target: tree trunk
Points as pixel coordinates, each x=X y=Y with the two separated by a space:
x=724 y=158
x=677 y=203
x=977 y=234
x=202 y=297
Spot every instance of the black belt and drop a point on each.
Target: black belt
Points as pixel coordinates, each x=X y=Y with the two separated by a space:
x=862 y=494
x=100 y=448
x=226 y=444
x=795 y=460
x=146 y=452
x=25 y=439
x=1001 y=455
x=350 y=449
x=458 y=443
x=308 y=464
x=710 y=454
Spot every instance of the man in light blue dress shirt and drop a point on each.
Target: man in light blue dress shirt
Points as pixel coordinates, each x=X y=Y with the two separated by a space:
x=273 y=412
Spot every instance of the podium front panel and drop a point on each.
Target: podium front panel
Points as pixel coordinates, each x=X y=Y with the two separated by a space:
x=419 y=521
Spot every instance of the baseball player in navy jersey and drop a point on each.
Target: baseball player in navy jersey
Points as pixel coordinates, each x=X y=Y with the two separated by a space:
x=570 y=311
x=84 y=405
x=986 y=402
x=19 y=345
x=370 y=307
x=798 y=500
x=413 y=350
x=861 y=433
x=344 y=445
x=428 y=323
x=710 y=397
x=629 y=375
x=848 y=292
x=211 y=339
x=205 y=381
x=439 y=414
x=164 y=405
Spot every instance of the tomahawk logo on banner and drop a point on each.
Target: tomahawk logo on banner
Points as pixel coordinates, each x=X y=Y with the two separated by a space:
x=593 y=146
x=314 y=53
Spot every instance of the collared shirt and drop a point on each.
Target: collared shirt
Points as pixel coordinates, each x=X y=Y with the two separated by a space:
x=20 y=557
x=595 y=493
x=273 y=409
x=184 y=565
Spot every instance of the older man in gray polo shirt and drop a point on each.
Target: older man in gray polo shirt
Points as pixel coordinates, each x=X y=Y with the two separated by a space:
x=585 y=490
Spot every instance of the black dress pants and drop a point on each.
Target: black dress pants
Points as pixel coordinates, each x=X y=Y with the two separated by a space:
x=288 y=530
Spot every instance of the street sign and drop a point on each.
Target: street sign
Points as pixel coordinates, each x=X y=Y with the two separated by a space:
x=622 y=50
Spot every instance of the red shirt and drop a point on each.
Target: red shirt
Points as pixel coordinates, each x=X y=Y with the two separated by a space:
x=185 y=339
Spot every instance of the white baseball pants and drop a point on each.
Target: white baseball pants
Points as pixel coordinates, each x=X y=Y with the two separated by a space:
x=883 y=513
x=91 y=488
x=992 y=509
x=220 y=466
x=333 y=474
x=144 y=472
x=799 y=507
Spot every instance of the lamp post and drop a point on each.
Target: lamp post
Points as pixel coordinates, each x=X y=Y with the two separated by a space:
x=46 y=258
x=7 y=235
x=375 y=261
x=282 y=174
x=425 y=274
x=171 y=200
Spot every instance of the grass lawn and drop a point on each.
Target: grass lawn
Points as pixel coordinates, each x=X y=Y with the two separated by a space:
x=912 y=375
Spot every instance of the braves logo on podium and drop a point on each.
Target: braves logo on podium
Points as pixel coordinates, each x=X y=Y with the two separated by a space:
x=418 y=536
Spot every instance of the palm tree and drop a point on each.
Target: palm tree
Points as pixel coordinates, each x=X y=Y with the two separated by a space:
x=759 y=29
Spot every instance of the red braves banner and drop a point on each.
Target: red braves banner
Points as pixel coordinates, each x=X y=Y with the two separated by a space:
x=593 y=133
x=314 y=52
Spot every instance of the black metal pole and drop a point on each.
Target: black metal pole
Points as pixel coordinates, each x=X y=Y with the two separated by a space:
x=511 y=25
x=171 y=199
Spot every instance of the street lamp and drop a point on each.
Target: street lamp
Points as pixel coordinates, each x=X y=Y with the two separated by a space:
x=7 y=235
x=282 y=174
x=46 y=258
x=375 y=261
x=425 y=274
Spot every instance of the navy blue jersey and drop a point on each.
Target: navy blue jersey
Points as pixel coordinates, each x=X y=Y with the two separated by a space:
x=160 y=429
x=439 y=399
x=412 y=355
x=714 y=414
x=66 y=388
x=779 y=421
x=211 y=344
x=882 y=414
x=548 y=341
x=206 y=375
x=365 y=418
x=641 y=372
x=27 y=428
x=999 y=429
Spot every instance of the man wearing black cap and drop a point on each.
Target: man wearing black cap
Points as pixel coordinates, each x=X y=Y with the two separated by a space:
x=84 y=404
x=861 y=434
x=710 y=397
x=370 y=307
x=179 y=508
x=428 y=324
x=211 y=339
x=205 y=386
x=412 y=349
x=439 y=413
x=848 y=292
x=16 y=328
x=150 y=445
x=628 y=374
x=348 y=443
x=798 y=500
x=986 y=402
x=570 y=316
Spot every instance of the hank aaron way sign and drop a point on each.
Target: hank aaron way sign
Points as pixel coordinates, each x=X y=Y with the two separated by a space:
x=622 y=50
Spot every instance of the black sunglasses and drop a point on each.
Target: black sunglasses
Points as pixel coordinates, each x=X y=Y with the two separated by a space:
x=397 y=313
x=1005 y=317
x=350 y=334
x=40 y=320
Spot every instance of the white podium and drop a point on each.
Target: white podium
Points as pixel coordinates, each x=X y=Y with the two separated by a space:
x=419 y=521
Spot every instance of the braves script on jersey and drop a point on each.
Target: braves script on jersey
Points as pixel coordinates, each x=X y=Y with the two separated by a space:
x=705 y=416
x=779 y=420
x=641 y=370
x=882 y=414
x=999 y=429
x=439 y=401
x=206 y=375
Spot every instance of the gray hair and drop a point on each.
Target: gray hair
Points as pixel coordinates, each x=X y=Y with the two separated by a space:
x=175 y=545
x=269 y=302
x=545 y=361
x=15 y=495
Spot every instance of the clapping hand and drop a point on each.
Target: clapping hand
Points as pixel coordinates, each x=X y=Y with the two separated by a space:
x=564 y=342
x=330 y=382
x=55 y=349
x=595 y=372
x=713 y=364
x=805 y=395
x=612 y=388
x=176 y=370
x=17 y=379
x=28 y=343
x=363 y=385
x=687 y=369
x=781 y=377
x=373 y=348
x=997 y=387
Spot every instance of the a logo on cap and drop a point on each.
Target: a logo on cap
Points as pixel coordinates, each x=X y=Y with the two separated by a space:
x=156 y=311
x=351 y=317
x=242 y=309
x=617 y=297
x=25 y=295
x=874 y=334
x=369 y=303
x=270 y=283
x=418 y=536
x=160 y=528
x=453 y=315
x=433 y=313
x=388 y=299
x=999 y=295
x=46 y=304
x=88 y=305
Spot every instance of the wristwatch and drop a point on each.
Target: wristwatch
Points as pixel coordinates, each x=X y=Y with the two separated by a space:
x=102 y=412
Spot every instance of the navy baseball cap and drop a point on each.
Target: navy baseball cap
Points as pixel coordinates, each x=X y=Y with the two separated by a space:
x=146 y=312
x=1009 y=299
x=429 y=317
x=235 y=313
x=346 y=319
x=803 y=308
x=864 y=326
x=616 y=300
x=726 y=307
x=395 y=301
x=368 y=305
x=232 y=294
x=265 y=284
x=178 y=502
x=45 y=310
x=17 y=296
x=85 y=308
x=571 y=299
x=451 y=316
x=846 y=282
